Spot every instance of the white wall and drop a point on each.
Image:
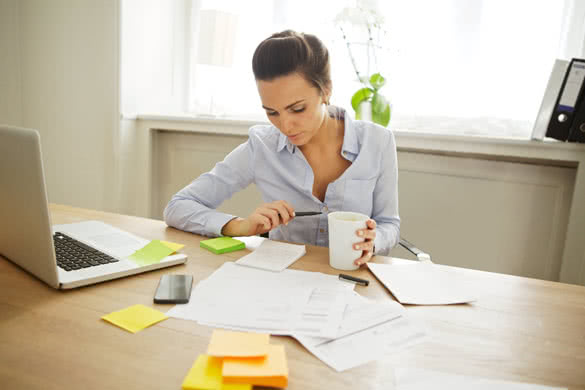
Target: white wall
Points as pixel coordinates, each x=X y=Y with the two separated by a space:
x=499 y=216
x=69 y=70
x=10 y=75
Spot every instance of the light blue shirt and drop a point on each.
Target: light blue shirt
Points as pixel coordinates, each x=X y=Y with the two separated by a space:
x=281 y=172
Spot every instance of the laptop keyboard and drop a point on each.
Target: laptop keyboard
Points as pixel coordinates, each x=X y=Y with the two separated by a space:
x=73 y=255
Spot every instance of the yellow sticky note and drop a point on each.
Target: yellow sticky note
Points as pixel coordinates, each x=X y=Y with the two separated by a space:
x=152 y=253
x=206 y=375
x=238 y=344
x=135 y=318
x=173 y=245
x=269 y=371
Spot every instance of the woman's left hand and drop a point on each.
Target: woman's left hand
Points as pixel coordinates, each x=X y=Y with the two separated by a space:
x=367 y=246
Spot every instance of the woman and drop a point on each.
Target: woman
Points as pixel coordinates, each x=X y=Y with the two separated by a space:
x=312 y=158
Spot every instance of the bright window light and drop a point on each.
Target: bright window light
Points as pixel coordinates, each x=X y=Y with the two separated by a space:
x=475 y=67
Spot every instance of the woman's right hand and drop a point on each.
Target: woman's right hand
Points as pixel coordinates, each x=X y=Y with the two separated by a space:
x=265 y=218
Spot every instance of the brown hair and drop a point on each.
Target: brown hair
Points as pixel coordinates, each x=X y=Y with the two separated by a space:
x=287 y=52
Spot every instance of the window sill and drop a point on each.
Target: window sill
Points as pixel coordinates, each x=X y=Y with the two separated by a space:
x=547 y=152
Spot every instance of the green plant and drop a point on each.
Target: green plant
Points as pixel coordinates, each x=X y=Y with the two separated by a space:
x=363 y=24
x=378 y=103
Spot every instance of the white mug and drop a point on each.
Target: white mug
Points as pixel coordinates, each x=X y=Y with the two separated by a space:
x=343 y=227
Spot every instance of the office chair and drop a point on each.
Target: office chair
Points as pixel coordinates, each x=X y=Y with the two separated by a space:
x=420 y=255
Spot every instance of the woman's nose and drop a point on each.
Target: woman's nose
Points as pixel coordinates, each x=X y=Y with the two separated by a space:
x=287 y=124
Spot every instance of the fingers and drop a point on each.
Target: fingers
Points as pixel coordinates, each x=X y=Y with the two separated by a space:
x=279 y=212
x=270 y=215
x=369 y=233
x=366 y=246
x=367 y=256
x=285 y=211
x=258 y=224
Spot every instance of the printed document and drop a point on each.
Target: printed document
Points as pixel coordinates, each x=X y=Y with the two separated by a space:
x=365 y=346
x=249 y=299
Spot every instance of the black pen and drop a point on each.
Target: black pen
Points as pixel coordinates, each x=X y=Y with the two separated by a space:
x=350 y=278
x=306 y=213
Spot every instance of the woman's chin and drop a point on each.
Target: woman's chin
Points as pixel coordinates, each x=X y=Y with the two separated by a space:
x=297 y=139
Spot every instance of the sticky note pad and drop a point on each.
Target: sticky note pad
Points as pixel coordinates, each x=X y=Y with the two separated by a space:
x=135 y=318
x=152 y=253
x=173 y=245
x=269 y=371
x=206 y=375
x=238 y=344
x=221 y=245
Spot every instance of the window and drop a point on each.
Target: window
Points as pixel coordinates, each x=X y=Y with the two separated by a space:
x=453 y=66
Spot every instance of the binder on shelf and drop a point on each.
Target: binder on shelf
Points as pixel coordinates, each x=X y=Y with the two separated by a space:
x=568 y=100
x=553 y=89
x=577 y=133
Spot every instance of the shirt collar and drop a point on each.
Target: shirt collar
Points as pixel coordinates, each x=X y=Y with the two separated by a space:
x=284 y=142
x=350 y=140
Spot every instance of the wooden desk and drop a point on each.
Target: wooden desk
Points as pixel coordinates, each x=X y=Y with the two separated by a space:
x=521 y=329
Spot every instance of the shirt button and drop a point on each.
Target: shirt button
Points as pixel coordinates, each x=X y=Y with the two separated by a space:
x=321 y=230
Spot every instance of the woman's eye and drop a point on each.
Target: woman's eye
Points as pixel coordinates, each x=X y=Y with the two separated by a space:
x=298 y=109
x=271 y=113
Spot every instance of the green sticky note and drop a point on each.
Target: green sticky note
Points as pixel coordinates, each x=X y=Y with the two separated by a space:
x=152 y=253
x=221 y=245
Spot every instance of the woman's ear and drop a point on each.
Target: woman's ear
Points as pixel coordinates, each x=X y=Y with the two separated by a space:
x=327 y=94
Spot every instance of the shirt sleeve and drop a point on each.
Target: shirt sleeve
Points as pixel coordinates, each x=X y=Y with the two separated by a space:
x=385 y=208
x=192 y=209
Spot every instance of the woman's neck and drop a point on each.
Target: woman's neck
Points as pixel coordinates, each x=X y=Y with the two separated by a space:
x=330 y=132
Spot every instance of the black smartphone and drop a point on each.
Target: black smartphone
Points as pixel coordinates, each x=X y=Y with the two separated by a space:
x=173 y=289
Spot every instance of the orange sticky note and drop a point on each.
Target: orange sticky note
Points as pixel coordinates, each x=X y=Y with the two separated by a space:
x=225 y=343
x=269 y=371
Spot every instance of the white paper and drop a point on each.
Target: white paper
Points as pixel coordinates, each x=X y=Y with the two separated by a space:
x=419 y=379
x=366 y=346
x=273 y=256
x=252 y=242
x=424 y=283
x=244 y=298
x=363 y=313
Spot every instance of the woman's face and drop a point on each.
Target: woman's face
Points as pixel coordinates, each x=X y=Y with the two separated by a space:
x=294 y=106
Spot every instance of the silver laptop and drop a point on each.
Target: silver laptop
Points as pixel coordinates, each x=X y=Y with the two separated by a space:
x=63 y=256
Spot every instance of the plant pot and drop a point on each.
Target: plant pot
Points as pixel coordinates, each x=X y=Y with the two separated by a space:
x=364 y=111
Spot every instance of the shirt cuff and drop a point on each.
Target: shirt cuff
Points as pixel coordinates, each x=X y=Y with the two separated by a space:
x=217 y=221
x=378 y=244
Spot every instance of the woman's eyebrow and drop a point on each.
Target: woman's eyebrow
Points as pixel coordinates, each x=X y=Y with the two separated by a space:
x=287 y=107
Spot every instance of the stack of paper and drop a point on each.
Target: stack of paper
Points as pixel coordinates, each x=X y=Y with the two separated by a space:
x=424 y=283
x=273 y=256
x=250 y=299
x=236 y=361
x=332 y=321
x=369 y=330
